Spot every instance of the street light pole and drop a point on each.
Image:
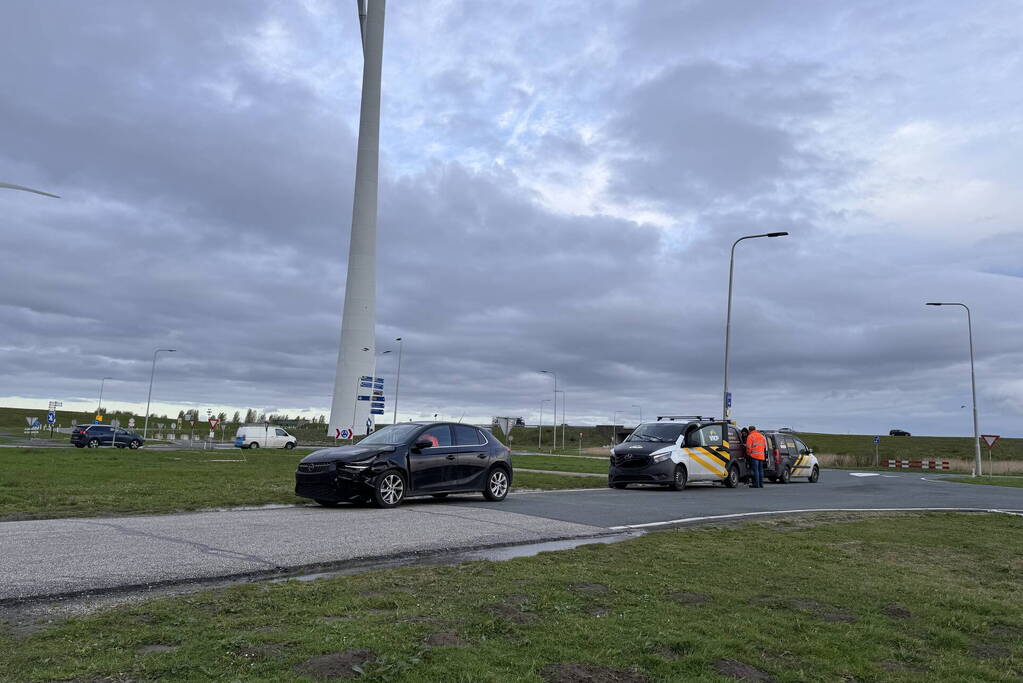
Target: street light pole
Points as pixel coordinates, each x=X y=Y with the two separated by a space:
x=555 y=421
x=640 y=412
x=10 y=186
x=397 y=379
x=539 y=427
x=614 y=428
x=99 y=406
x=973 y=385
x=728 y=330
x=145 y=430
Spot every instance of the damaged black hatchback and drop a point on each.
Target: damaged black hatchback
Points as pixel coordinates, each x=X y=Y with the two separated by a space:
x=408 y=459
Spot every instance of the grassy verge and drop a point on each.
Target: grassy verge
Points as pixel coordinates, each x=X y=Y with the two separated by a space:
x=38 y=483
x=560 y=463
x=990 y=481
x=915 y=597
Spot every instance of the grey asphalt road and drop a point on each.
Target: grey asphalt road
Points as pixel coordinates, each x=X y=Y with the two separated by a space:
x=58 y=557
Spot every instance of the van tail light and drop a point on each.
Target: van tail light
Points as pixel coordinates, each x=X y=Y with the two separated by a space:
x=777 y=457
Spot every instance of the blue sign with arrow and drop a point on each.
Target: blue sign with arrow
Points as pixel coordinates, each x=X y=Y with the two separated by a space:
x=377 y=411
x=362 y=398
x=376 y=405
x=51 y=417
x=366 y=385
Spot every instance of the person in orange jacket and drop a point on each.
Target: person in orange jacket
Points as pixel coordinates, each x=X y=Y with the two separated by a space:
x=756 y=449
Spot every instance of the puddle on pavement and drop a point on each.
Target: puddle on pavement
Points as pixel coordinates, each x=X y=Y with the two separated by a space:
x=499 y=554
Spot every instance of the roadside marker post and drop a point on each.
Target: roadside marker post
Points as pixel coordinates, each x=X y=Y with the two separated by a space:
x=877 y=459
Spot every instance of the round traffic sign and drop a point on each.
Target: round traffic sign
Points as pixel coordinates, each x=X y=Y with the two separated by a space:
x=344 y=433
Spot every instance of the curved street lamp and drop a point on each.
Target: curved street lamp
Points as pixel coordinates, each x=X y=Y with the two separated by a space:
x=728 y=329
x=11 y=186
x=973 y=384
x=152 y=374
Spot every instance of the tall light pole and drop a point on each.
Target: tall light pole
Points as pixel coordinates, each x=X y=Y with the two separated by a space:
x=555 y=421
x=539 y=427
x=973 y=385
x=397 y=379
x=640 y=412
x=358 y=320
x=99 y=405
x=562 y=392
x=614 y=428
x=728 y=331
x=9 y=186
x=152 y=374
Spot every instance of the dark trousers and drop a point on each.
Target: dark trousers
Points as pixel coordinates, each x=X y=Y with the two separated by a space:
x=756 y=468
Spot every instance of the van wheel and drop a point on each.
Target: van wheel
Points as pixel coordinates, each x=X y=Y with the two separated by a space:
x=815 y=475
x=732 y=480
x=254 y=444
x=93 y=443
x=288 y=446
x=389 y=490
x=497 y=485
x=678 y=481
x=786 y=476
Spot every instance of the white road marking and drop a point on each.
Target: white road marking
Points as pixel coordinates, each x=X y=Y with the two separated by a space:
x=864 y=474
x=739 y=515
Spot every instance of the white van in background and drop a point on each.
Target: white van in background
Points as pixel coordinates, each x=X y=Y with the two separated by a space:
x=262 y=436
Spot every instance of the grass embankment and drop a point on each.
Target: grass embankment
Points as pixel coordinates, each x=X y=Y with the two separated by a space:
x=37 y=483
x=991 y=481
x=916 y=597
x=560 y=463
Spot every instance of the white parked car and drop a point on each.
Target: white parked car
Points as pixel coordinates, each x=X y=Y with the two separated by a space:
x=262 y=436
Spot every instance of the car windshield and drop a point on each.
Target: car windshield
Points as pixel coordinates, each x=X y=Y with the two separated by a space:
x=391 y=434
x=661 y=432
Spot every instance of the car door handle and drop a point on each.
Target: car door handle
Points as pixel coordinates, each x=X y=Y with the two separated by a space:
x=481 y=455
x=451 y=456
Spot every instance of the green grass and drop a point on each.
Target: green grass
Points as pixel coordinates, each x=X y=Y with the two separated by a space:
x=909 y=447
x=40 y=483
x=924 y=597
x=990 y=481
x=560 y=463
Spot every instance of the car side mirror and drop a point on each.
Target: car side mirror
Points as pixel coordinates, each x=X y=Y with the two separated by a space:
x=423 y=444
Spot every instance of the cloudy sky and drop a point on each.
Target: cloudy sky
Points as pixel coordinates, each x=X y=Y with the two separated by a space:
x=560 y=185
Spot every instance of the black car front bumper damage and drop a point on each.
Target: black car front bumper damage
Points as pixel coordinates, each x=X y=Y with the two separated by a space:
x=640 y=469
x=333 y=482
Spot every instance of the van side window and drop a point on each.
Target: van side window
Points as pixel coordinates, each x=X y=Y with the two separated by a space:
x=801 y=447
x=733 y=436
x=790 y=445
x=708 y=436
x=281 y=432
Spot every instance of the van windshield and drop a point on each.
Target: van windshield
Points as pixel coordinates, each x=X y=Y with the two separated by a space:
x=665 y=432
x=391 y=434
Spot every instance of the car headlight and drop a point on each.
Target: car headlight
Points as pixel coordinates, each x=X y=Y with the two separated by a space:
x=361 y=465
x=661 y=457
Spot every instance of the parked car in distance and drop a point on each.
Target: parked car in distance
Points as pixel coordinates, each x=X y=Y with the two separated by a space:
x=787 y=430
x=787 y=457
x=899 y=432
x=263 y=436
x=408 y=459
x=94 y=436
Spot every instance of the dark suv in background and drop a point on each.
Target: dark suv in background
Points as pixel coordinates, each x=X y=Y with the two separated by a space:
x=95 y=436
x=408 y=459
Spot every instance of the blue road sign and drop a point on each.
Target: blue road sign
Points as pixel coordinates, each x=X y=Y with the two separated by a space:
x=377 y=411
x=365 y=378
x=362 y=398
x=51 y=417
x=877 y=439
x=378 y=392
x=366 y=385
x=378 y=386
x=728 y=399
x=376 y=405
x=378 y=379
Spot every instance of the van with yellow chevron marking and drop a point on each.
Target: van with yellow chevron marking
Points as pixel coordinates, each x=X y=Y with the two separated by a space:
x=676 y=450
x=787 y=457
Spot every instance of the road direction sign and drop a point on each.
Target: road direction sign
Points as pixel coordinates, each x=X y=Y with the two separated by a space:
x=366 y=385
x=728 y=399
x=214 y=422
x=378 y=379
x=365 y=378
x=378 y=392
x=362 y=398
x=378 y=386
x=990 y=439
x=51 y=417
x=376 y=405
x=377 y=411
x=877 y=439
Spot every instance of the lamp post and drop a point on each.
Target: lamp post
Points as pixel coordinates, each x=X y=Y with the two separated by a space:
x=10 y=186
x=562 y=392
x=397 y=379
x=99 y=406
x=640 y=412
x=539 y=427
x=728 y=329
x=145 y=429
x=614 y=428
x=555 y=421
x=973 y=385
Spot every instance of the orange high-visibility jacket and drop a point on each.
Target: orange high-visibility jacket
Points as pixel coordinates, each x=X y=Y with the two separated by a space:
x=756 y=445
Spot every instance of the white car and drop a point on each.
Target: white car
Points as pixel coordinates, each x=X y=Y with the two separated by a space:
x=264 y=436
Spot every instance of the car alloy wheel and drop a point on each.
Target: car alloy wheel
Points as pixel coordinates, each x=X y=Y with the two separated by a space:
x=678 y=480
x=133 y=445
x=390 y=489
x=93 y=443
x=497 y=485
